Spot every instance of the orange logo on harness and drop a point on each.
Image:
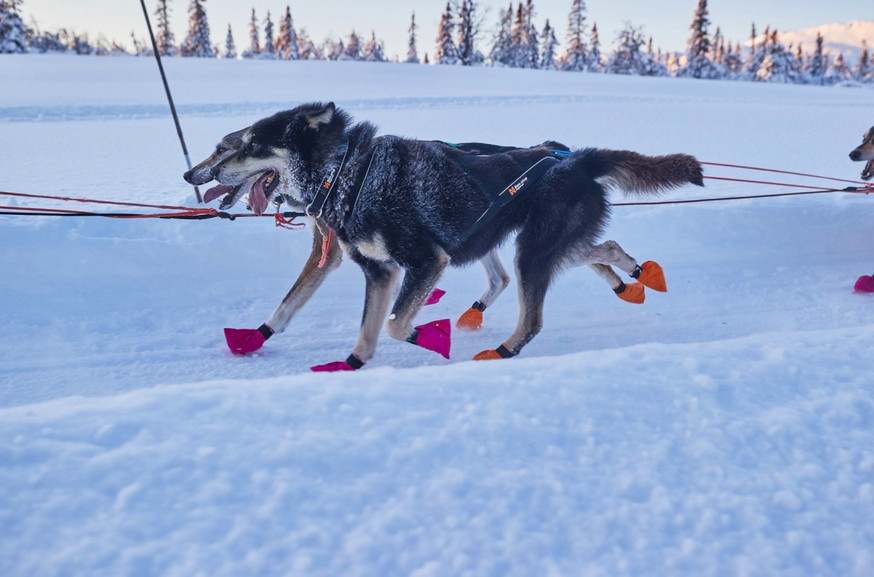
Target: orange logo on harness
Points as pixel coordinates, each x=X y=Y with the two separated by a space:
x=327 y=184
x=512 y=190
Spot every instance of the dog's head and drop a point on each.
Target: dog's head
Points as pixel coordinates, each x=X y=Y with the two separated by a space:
x=865 y=151
x=275 y=156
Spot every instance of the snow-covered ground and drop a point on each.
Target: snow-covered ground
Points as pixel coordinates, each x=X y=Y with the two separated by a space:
x=723 y=428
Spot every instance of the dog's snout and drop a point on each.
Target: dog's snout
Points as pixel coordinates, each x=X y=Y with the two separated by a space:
x=187 y=176
x=856 y=155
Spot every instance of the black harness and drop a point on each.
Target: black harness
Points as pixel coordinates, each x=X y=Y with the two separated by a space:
x=475 y=149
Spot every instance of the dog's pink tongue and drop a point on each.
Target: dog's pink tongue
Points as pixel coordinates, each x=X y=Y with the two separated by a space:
x=868 y=171
x=215 y=192
x=258 y=197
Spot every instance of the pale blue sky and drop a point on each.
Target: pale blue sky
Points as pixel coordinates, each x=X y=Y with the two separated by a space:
x=667 y=21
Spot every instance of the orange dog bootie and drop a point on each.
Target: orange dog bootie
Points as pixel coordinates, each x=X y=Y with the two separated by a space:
x=502 y=352
x=631 y=293
x=472 y=319
x=651 y=275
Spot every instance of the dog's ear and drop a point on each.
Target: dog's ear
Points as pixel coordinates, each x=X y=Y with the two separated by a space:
x=317 y=119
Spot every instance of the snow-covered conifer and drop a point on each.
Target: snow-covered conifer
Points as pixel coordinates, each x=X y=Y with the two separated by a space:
x=594 y=62
x=464 y=46
x=13 y=32
x=165 y=39
x=373 y=50
x=838 y=71
x=307 y=49
x=197 y=42
x=352 y=50
x=532 y=42
x=779 y=65
x=254 y=39
x=269 y=50
x=412 y=53
x=698 y=48
x=286 y=42
x=230 y=47
x=547 y=58
x=628 y=58
x=864 y=70
x=576 y=57
x=500 y=54
x=445 y=52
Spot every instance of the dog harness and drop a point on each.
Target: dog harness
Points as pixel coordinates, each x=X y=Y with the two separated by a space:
x=513 y=190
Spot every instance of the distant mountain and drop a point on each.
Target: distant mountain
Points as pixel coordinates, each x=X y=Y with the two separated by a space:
x=846 y=38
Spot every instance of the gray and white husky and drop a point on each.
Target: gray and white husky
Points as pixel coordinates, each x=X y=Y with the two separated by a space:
x=401 y=205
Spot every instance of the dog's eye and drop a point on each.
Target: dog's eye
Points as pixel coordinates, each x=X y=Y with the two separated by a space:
x=220 y=149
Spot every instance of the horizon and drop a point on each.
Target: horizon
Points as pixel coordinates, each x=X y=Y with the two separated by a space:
x=667 y=23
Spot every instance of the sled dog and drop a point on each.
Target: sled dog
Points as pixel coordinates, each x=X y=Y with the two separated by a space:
x=397 y=205
x=865 y=151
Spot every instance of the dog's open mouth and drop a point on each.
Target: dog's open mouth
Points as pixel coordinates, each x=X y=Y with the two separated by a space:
x=259 y=187
x=868 y=171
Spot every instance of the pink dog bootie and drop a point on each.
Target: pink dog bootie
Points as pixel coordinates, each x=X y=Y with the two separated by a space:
x=864 y=284
x=244 y=341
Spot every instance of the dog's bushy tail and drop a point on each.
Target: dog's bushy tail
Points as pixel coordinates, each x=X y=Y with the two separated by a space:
x=632 y=172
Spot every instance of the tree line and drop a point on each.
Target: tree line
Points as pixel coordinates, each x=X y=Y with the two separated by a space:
x=517 y=42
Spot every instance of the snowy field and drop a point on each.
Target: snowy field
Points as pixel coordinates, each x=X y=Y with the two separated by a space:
x=723 y=428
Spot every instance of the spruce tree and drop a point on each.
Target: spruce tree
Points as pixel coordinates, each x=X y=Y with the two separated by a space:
x=838 y=72
x=352 y=50
x=13 y=33
x=412 y=54
x=500 y=54
x=269 y=51
x=547 y=58
x=254 y=40
x=698 y=48
x=445 y=52
x=531 y=58
x=373 y=50
x=286 y=43
x=307 y=49
x=576 y=57
x=778 y=65
x=165 y=39
x=864 y=70
x=464 y=48
x=197 y=43
x=230 y=48
x=593 y=60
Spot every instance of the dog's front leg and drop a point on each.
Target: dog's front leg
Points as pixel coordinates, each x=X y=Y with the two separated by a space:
x=418 y=284
x=310 y=279
x=380 y=281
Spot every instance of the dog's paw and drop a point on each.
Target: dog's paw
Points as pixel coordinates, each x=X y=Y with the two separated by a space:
x=864 y=284
x=631 y=293
x=435 y=336
x=652 y=276
x=471 y=320
x=352 y=363
x=244 y=341
x=502 y=352
x=334 y=367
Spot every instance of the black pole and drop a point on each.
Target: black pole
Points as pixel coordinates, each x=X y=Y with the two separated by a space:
x=169 y=96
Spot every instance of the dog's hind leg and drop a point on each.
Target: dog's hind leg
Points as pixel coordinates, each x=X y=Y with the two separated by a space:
x=417 y=285
x=498 y=279
x=534 y=273
x=608 y=254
